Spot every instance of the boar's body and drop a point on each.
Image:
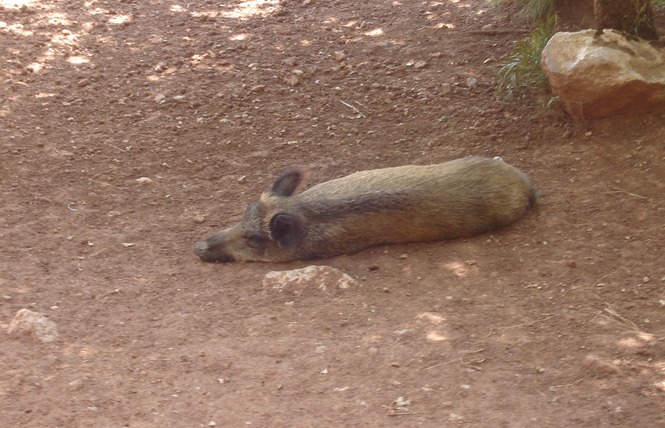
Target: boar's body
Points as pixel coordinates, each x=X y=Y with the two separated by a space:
x=459 y=198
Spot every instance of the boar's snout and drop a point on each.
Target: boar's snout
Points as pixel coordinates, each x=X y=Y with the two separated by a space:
x=212 y=250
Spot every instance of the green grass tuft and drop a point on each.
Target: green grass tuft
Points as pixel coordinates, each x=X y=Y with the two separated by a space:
x=537 y=9
x=522 y=71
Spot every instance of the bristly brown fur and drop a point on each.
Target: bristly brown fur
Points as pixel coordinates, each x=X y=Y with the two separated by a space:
x=459 y=198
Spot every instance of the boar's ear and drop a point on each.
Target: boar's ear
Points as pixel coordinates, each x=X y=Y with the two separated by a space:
x=287 y=183
x=287 y=230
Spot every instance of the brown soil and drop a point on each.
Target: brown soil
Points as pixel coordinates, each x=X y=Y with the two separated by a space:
x=556 y=321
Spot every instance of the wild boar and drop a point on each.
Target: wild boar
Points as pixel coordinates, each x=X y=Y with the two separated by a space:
x=409 y=203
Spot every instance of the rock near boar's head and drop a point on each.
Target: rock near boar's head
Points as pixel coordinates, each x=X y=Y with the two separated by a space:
x=269 y=229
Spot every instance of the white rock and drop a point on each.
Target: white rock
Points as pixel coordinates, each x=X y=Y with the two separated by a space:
x=33 y=323
x=161 y=66
x=454 y=417
x=297 y=280
x=419 y=64
x=599 y=76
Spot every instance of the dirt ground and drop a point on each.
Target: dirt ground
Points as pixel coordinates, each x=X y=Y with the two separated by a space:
x=131 y=129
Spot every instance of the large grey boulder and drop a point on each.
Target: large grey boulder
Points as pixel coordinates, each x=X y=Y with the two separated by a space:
x=599 y=76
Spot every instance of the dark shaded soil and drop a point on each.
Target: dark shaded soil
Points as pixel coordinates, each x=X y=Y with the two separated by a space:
x=556 y=321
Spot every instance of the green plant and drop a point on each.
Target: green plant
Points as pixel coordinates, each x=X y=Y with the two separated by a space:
x=540 y=9
x=521 y=70
x=634 y=18
x=536 y=9
x=658 y=4
x=643 y=23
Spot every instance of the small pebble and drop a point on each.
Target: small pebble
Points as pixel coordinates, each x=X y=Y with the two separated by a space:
x=597 y=367
x=455 y=417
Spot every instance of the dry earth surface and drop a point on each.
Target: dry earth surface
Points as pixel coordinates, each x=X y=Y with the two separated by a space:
x=131 y=129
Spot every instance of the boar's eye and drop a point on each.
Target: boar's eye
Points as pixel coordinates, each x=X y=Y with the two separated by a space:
x=256 y=239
